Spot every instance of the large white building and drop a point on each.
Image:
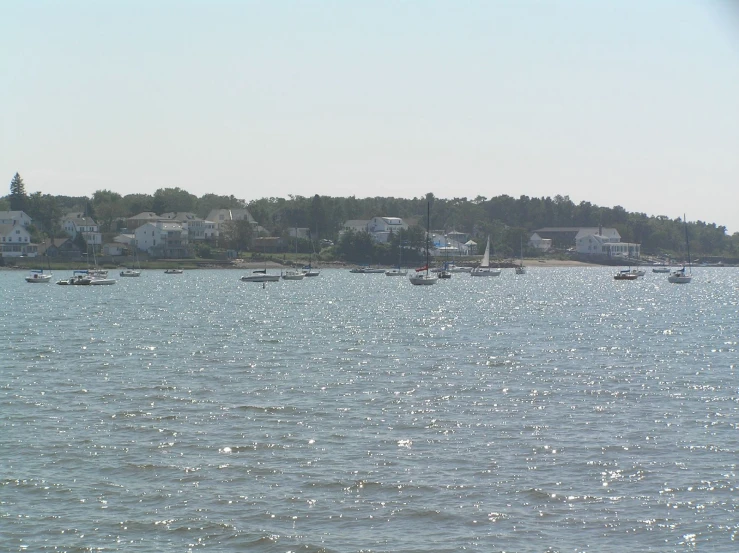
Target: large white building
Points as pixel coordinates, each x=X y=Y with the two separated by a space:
x=605 y=242
x=15 y=241
x=78 y=223
x=15 y=218
x=163 y=239
x=380 y=228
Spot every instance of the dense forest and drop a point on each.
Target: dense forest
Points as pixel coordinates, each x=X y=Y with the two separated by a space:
x=504 y=218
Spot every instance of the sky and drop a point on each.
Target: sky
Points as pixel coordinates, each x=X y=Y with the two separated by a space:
x=614 y=102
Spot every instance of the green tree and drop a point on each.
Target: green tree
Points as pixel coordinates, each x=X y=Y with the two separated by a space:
x=173 y=199
x=18 y=197
x=236 y=235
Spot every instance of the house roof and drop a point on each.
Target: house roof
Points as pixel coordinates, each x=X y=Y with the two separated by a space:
x=392 y=220
x=6 y=229
x=356 y=223
x=230 y=215
x=146 y=215
x=14 y=215
x=182 y=216
x=80 y=219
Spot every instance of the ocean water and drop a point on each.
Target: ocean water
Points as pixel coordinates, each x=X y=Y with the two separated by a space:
x=557 y=411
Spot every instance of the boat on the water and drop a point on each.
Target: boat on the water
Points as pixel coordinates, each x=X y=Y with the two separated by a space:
x=38 y=276
x=520 y=269
x=484 y=269
x=293 y=274
x=366 y=270
x=78 y=278
x=174 y=271
x=422 y=276
x=683 y=275
x=260 y=275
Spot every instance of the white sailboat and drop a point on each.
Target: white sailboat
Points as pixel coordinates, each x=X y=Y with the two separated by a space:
x=683 y=276
x=134 y=271
x=261 y=275
x=485 y=269
x=521 y=270
x=294 y=274
x=422 y=276
x=398 y=271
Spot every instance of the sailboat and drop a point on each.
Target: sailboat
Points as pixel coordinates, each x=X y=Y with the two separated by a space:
x=136 y=270
x=521 y=270
x=398 y=271
x=422 y=276
x=260 y=275
x=294 y=274
x=445 y=272
x=484 y=269
x=681 y=276
x=309 y=270
x=38 y=276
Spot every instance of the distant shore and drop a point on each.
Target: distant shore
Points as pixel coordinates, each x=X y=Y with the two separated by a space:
x=189 y=264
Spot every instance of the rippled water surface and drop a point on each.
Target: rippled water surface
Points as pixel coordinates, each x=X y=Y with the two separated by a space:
x=554 y=411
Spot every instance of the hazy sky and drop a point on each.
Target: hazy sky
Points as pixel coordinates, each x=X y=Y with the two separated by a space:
x=616 y=102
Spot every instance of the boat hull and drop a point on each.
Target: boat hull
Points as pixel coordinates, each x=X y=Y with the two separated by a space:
x=423 y=280
x=485 y=272
x=260 y=278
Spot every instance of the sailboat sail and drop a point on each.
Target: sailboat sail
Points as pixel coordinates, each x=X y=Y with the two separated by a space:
x=486 y=257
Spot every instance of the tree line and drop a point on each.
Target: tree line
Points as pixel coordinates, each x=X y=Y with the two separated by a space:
x=505 y=219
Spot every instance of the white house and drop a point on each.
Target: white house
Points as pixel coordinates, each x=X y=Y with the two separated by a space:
x=197 y=228
x=132 y=223
x=163 y=239
x=604 y=241
x=221 y=216
x=79 y=223
x=15 y=218
x=541 y=244
x=15 y=241
x=382 y=227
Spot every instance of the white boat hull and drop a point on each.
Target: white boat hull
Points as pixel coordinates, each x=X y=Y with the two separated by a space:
x=102 y=281
x=425 y=280
x=38 y=279
x=482 y=272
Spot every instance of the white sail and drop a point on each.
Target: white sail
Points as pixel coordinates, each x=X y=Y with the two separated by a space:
x=486 y=257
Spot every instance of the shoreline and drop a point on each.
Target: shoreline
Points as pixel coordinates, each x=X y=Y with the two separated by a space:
x=190 y=265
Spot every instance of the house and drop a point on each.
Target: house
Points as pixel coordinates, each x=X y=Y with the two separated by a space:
x=197 y=228
x=380 y=228
x=446 y=246
x=114 y=249
x=79 y=223
x=15 y=218
x=221 y=216
x=601 y=241
x=15 y=241
x=132 y=223
x=604 y=242
x=60 y=247
x=125 y=239
x=539 y=243
x=354 y=225
x=163 y=239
